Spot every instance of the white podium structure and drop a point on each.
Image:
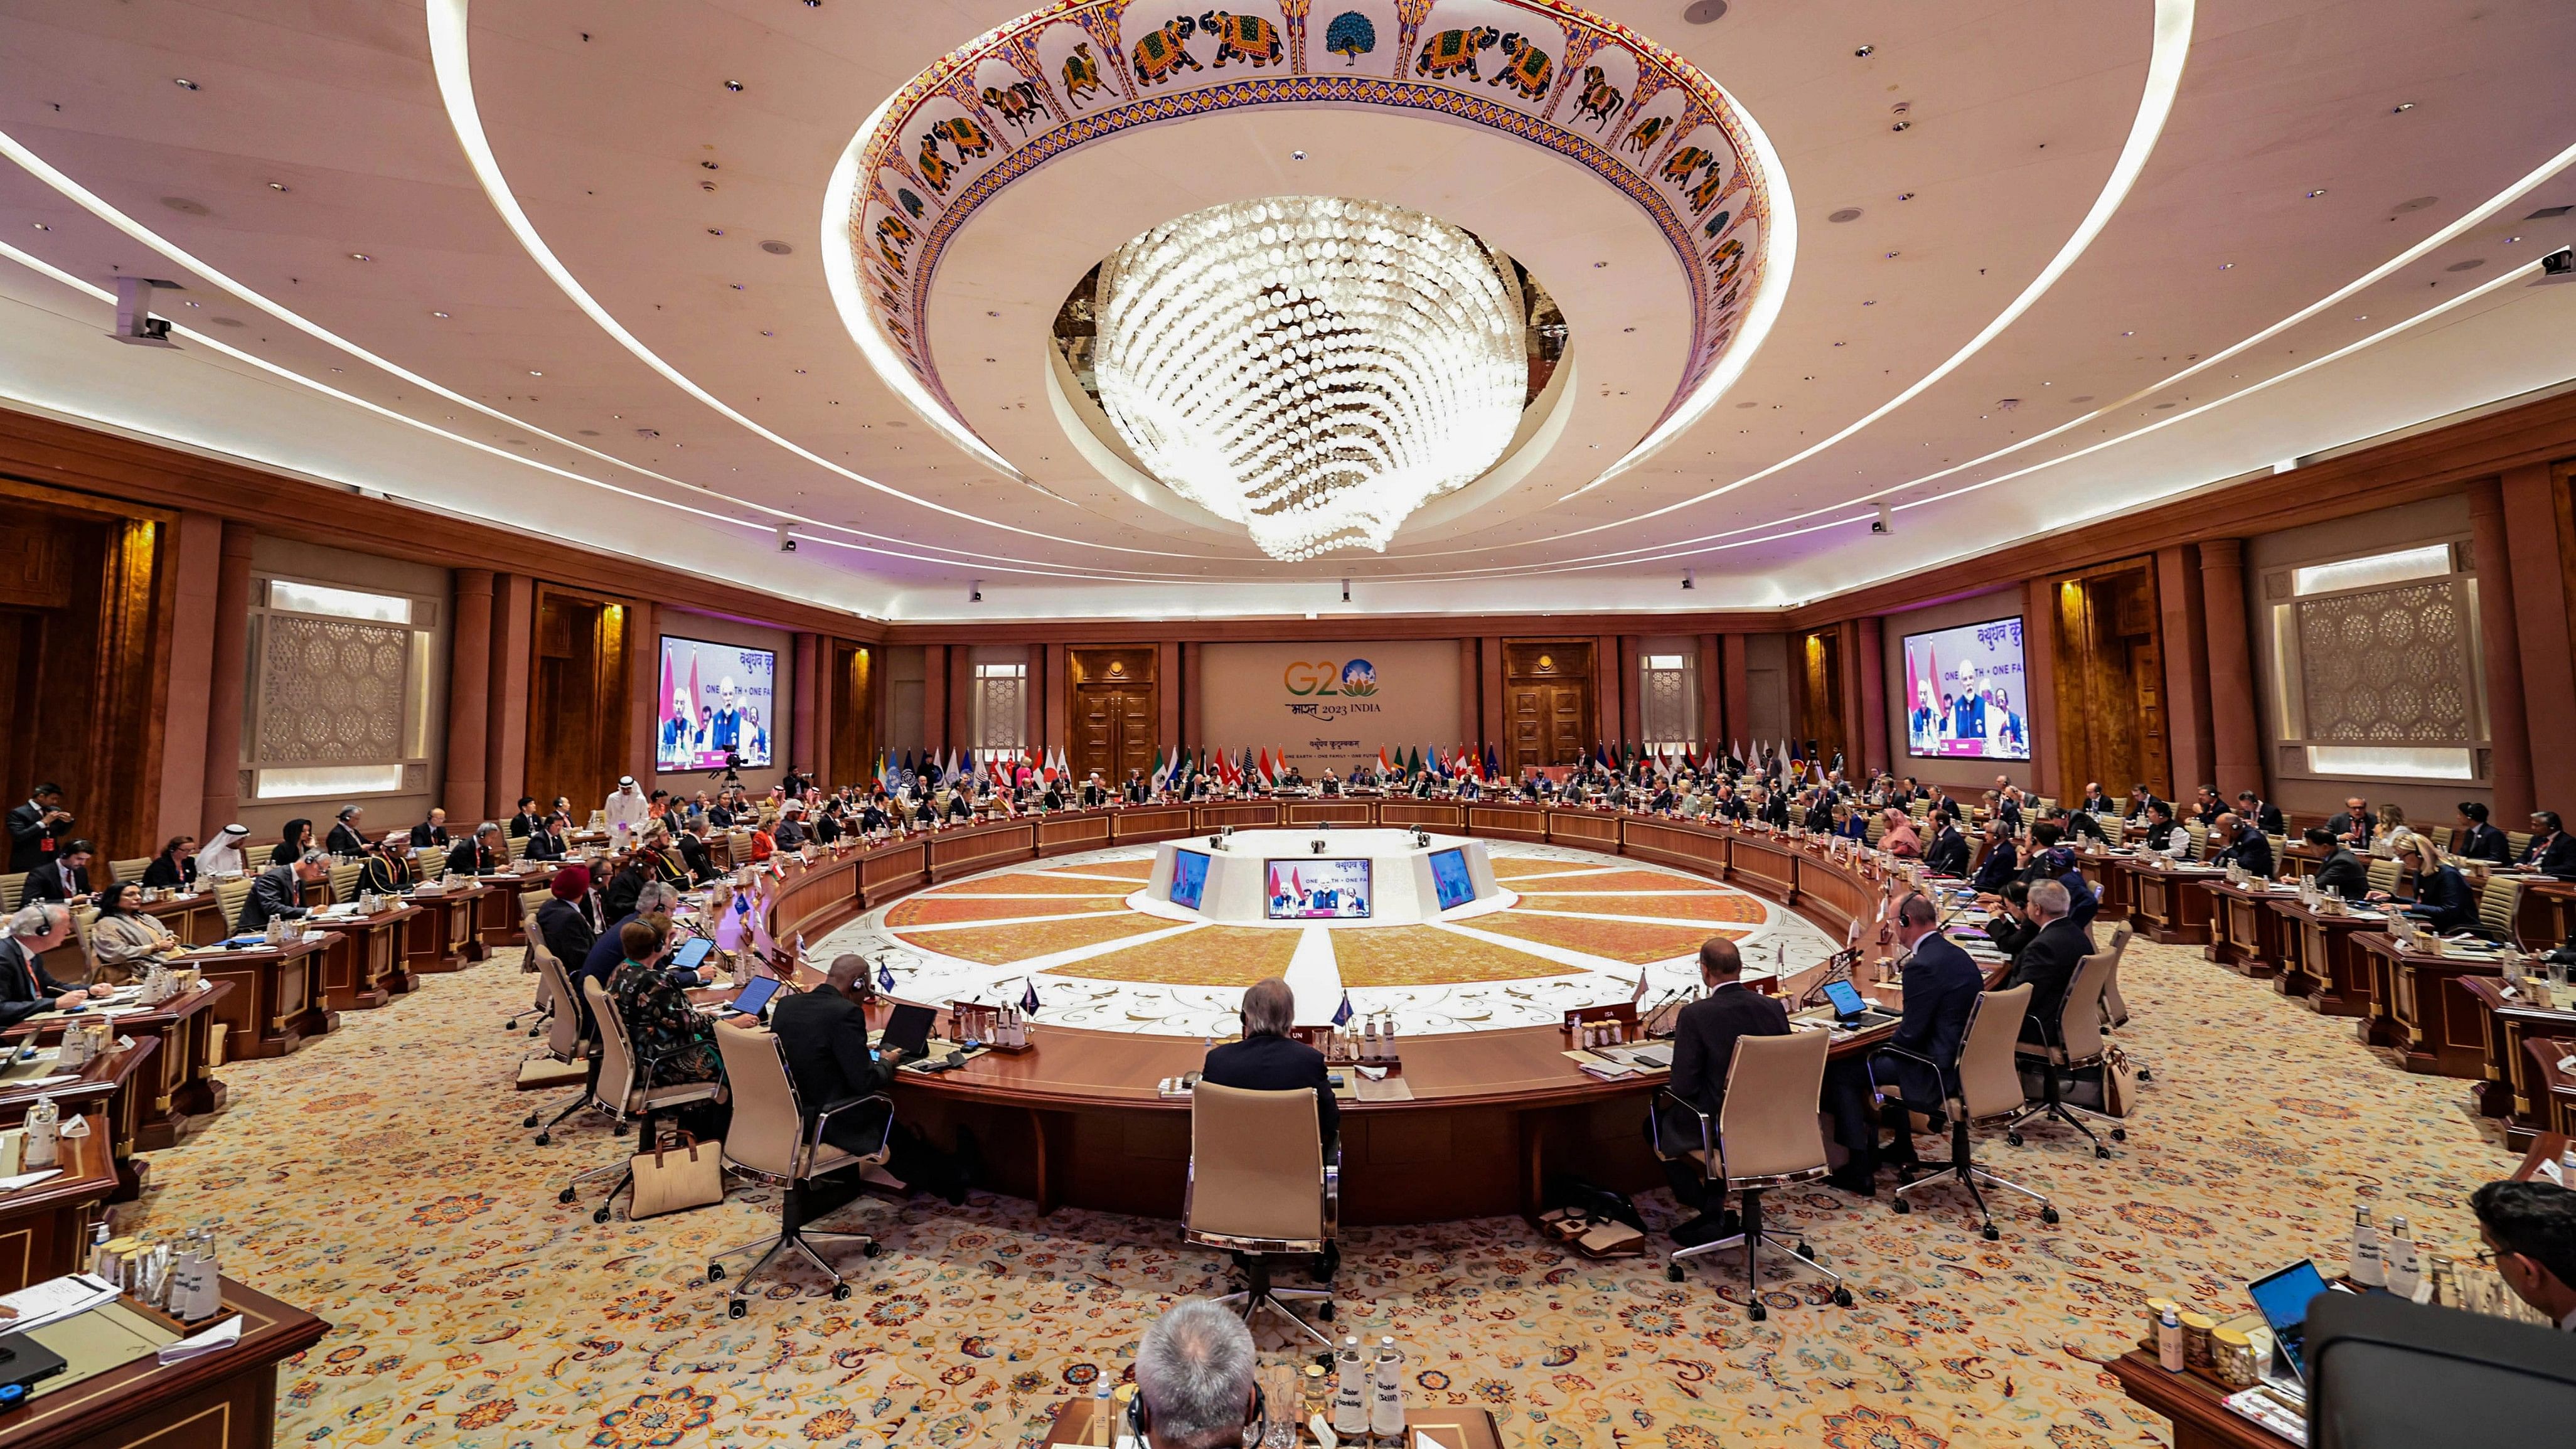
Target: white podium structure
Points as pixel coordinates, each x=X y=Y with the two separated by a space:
x=1318 y=877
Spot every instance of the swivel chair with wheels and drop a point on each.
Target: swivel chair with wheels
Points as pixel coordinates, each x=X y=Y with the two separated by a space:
x=1987 y=1089
x=569 y=1038
x=1263 y=1184
x=1766 y=1134
x=2073 y=1044
x=620 y=1092
x=773 y=1138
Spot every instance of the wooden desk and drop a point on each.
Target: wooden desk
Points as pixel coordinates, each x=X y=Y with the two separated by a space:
x=2553 y=1091
x=221 y=1400
x=498 y=926
x=2503 y=1026
x=2420 y=1009
x=2171 y=904
x=2102 y=871
x=195 y=919
x=2320 y=962
x=1463 y=1428
x=457 y=914
x=2197 y=1407
x=365 y=963
x=178 y=1085
x=2548 y=914
x=44 y=1230
x=114 y=1085
x=276 y=1000
x=2245 y=934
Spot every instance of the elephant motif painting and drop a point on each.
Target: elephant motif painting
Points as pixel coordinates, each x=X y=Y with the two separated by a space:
x=1530 y=70
x=1453 y=52
x=1247 y=38
x=1159 y=55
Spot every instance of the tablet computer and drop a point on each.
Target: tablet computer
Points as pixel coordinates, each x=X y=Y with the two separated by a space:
x=692 y=952
x=754 y=997
x=908 y=1029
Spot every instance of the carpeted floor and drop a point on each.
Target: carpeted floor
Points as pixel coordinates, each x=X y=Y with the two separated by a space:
x=380 y=1179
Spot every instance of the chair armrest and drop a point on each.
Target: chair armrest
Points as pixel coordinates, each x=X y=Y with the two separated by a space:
x=1898 y=1051
x=1655 y=1118
x=824 y=1117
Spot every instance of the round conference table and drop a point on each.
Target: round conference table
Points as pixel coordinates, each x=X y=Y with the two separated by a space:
x=1078 y=1121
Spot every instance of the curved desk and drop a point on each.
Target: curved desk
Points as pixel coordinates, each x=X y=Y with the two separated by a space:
x=1077 y=1122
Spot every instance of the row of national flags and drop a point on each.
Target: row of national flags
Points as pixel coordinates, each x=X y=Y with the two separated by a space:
x=1173 y=769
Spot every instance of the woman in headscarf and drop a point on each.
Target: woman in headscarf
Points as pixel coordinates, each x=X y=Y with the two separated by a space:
x=293 y=842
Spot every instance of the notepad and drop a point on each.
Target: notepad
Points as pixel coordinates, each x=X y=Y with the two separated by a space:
x=1393 y=1089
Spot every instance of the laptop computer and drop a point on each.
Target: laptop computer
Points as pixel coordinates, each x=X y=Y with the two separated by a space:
x=1850 y=1010
x=2283 y=1299
x=908 y=1029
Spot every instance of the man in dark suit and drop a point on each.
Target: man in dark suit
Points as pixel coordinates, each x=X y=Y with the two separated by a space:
x=36 y=828
x=2244 y=845
x=432 y=831
x=1704 y=1037
x=276 y=893
x=823 y=1033
x=2265 y=815
x=1270 y=1060
x=525 y=821
x=2163 y=831
x=2002 y=861
x=478 y=854
x=2048 y=963
x=2342 y=873
x=347 y=841
x=2353 y=824
x=1948 y=852
x=2095 y=802
x=64 y=878
x=2141 y=800
x=26 y=987
x=2553 y=850
x=2481 y=841
x=1917 y=1071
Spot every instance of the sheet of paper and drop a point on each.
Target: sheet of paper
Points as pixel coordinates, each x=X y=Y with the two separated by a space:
x=56 y=1299
x=222 y=1335
x=28 y=1179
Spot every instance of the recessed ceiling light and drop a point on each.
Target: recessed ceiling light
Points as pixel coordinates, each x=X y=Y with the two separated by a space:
x=2362 y=317
x=737 y=286
x=1865 y=52
x=2313 y=195
x=279 y=186
x=440 y=315
x=183 y=83
x=710 y=165
x=765 y=332
x=1902 y=126
x=1596 y=266
x=360 y=257
x=40 y=226
x=1891 y=256
x=2227 y=266
x=1632 y=329
x=532 y=372
x=2128 y=334
x=1872 y=302
x=990 y=313
x=2403 y=107
x=1296 y=155
x=734 y=86
x=2509 y=241
x=715 y=231
x=196 y=304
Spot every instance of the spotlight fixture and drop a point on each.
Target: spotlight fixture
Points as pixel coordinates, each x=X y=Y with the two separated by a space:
x=1865 y=52
x=975 y=591
x=279 y=186
x=1296 y=155
x=360 y=257
x=183 y=83
x=2403 y=107
x=2559 y=264
x=439 y=315
x=734 y=86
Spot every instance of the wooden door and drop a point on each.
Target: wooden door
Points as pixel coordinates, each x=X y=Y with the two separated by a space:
x=1547 y=701
x=1113 y=731
x=2111 y=723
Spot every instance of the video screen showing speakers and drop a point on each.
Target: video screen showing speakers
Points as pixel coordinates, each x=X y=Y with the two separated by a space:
x=1320 y=889
x=1189 y=878
x=1449 y=875
x=1964 y=692
x=717 y=700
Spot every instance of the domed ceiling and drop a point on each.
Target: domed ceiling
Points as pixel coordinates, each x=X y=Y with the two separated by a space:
x=670 y=278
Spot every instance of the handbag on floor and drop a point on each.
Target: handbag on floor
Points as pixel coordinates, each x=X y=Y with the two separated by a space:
x=678 y=1174
x=2119 y=1083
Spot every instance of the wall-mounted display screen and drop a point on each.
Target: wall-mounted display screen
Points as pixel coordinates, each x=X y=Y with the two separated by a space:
x=1318 y=889
x=1449 y=875
x=1189 y=878
x=1964 y=693
x=717 y=700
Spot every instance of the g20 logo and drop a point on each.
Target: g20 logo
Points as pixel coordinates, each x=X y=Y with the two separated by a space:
x=1323 y=678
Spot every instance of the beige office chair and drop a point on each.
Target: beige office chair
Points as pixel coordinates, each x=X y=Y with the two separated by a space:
x=121 y=871
x=2076 y=1046
x=13 y=891
x=229 y=896
x=569 y=1038
x=1261 y=1186
x=1766 y=1134
x=776 y=1138
x=518 y=846
x=2499 y=906
x=2517 y=841
x=620 y=1093
x=2384 y=875
x=2115 y=1008
x=344 y=880
x=1988 y=1090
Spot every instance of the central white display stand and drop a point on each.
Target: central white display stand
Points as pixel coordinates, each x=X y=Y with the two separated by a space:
x=1400 y=886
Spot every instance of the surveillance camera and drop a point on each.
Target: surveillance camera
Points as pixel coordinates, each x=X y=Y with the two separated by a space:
x=975 y=592
x=1346 y=591
x=786 y=540
x=2560 y=263
x=1884 y=523
x=1689 y=582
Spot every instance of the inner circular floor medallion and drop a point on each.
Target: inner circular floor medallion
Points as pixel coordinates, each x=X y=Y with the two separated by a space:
x=1562 y=929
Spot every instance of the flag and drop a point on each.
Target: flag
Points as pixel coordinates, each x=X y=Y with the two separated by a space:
x=1343 y=1013
x=1382 y=766
x=1029 y=998
x=885 y=975
x=1493 y=762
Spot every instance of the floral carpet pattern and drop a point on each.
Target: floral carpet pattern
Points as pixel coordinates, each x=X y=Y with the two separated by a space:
x=380 y=1179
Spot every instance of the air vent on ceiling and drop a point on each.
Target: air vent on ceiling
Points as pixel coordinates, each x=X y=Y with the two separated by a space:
x=2547 y=212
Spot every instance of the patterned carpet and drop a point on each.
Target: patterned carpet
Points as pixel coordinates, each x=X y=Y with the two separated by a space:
x=380 y=1179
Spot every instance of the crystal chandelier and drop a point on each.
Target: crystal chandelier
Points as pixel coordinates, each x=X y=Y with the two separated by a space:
x=1314 y=368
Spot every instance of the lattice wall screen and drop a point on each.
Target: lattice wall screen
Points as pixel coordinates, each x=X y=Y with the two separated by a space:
x=2390 y=666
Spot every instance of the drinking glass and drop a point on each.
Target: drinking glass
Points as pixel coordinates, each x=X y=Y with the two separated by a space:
x=1281 y=1387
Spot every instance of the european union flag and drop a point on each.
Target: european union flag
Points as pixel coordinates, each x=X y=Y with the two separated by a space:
x=1029 y=998
x=885 y=974
x=1342 y=1014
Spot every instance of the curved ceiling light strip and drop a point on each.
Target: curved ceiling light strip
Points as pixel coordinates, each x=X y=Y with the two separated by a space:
x=2173 y=25
x=97 y=206
x=2430 y=244
x=2385 y=333
x=450 y=50
x=48 y=270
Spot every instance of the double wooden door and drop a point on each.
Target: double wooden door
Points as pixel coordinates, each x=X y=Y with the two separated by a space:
x=1113 y=730
x=1547 y=702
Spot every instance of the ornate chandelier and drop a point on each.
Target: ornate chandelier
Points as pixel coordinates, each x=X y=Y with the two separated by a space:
x=1314 y=368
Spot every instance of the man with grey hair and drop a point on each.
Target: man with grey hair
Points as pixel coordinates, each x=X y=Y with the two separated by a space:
x=1268 y=1059
x=2048 y=963
x=26 y=987
x=1195 y=1386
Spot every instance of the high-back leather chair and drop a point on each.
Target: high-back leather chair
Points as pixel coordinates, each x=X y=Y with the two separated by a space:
x=1989 y=1090
x=229 y=896
x=620 y=1091
x=1766 y=1134
x=570 y=1035
x=2075 y=1044
x=2499 y=905
x=1262 y=1185
x=777 y=1137
x=119 y=872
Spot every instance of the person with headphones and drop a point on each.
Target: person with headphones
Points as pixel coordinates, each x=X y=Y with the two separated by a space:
x=1196 y=1381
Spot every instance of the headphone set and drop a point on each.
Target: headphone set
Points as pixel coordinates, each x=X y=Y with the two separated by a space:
x=1138 y=1421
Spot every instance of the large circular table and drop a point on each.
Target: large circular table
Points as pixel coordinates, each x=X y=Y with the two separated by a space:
x=1078 y=1122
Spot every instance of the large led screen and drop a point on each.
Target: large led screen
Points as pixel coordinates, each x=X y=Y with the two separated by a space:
x=716 y=700
x=1964 y=693
x=1318 y=889
x=1450 y=877
x=1189 y=878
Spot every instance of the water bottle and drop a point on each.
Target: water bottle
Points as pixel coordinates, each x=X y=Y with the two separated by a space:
x=2567 y=1167
x=1386 y=1407
x=1350 y=1392
x=44 y=1135
x=2405 y=1270
x=2364 y=1266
